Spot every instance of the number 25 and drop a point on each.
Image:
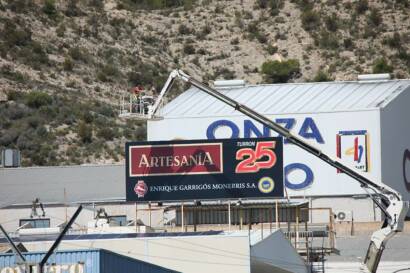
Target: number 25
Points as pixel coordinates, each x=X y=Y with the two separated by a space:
x=249 y=157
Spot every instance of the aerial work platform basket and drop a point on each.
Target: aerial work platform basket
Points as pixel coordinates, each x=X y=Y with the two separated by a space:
x=139 y=104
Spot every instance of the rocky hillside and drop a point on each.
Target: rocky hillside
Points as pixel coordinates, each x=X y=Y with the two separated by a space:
x=64 y=64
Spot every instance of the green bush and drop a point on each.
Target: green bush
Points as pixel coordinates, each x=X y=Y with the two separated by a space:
x=133 y=5
x=322 y=76
x=405 y=57
x=328 y=40
x=205 y=30
x=68 y=64
x=106 y=133
x=60 y=30
x=224 y=73
x=19 y=6
x=332 y=22
x=36 y=99
x=85 y=132
x=348 y=43
x=362 y=6
x=272 y=49
x=76 y=53
x=184 y=30
x=305 y=5
x=235 y=41
x=273 y=5
x=375 y=19
x=108 y=72
x=13 y=35
x=98 y=4
x=14 y=95
x=189 y=49
x=394 y=41
x=9 y=73
x=72 y=9
x=49 y=8
x=382 y=66
x=310 y=20
x=280 y=72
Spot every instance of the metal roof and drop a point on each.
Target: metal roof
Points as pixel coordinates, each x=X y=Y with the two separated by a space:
x=106 y=236
x=290 y=98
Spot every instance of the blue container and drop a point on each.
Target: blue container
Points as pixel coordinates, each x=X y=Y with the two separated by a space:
x=84 y=261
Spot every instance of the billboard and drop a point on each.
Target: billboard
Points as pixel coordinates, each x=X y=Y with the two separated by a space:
x=204 y=169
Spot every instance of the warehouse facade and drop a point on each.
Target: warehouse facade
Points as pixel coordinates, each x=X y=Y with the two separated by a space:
x=355 y=121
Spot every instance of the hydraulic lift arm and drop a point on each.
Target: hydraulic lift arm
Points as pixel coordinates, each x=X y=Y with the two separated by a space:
x=387 y=199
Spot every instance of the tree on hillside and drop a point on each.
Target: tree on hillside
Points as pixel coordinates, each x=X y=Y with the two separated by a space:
x=280 y=72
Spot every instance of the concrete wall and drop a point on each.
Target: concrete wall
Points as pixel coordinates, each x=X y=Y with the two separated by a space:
x=62 y=184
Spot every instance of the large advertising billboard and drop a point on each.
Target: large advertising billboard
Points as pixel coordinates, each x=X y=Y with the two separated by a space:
x=204 y=169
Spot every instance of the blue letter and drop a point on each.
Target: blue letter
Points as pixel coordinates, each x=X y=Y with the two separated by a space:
x=210 y=132
x=288 y=124
x=304 y=184
x=310 y=130
x=250 y=128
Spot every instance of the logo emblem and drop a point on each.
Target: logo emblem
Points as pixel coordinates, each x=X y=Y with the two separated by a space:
x=406 y=158
x=353 y=147
x=266 y=184
x=141 y=188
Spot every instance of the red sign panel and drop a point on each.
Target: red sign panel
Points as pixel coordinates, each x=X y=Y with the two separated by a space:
x=175 y=159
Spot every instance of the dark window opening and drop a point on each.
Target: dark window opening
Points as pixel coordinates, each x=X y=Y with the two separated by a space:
x=35 y=223
x=121 y=220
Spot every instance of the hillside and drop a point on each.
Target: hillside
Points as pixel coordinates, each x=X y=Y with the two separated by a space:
x=64 y=64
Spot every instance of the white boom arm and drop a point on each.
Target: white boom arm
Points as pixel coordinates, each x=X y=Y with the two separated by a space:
x=387 y=199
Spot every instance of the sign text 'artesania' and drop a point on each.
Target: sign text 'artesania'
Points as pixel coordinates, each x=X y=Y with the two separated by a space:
x=204 y=169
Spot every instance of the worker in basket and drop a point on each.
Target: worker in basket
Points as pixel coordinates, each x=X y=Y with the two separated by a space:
x=138 y=92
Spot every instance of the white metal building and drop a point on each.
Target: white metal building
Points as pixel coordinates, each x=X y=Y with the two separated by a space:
x=362 y=122
x=241 y=252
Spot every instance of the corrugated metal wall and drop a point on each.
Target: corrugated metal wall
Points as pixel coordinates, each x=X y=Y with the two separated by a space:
x=85 y=261
x=219 y=215
x=89 y=260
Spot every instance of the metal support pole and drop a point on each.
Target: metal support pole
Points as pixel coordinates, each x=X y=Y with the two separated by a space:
x=59 y=239
x=331 y=231
x=250 y=218
x=182 y=216
x=277 y=214
x=240 y=218
x=229 y=215
x=150 y=217
x=261 y=221
x=297 y=226
x=13 y=246
x=136 y=218
x=194 y=210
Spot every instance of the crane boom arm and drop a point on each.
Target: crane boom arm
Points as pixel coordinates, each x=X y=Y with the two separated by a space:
x=386 y=198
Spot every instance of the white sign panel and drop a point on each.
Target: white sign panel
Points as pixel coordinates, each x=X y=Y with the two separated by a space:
x=305 y=175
